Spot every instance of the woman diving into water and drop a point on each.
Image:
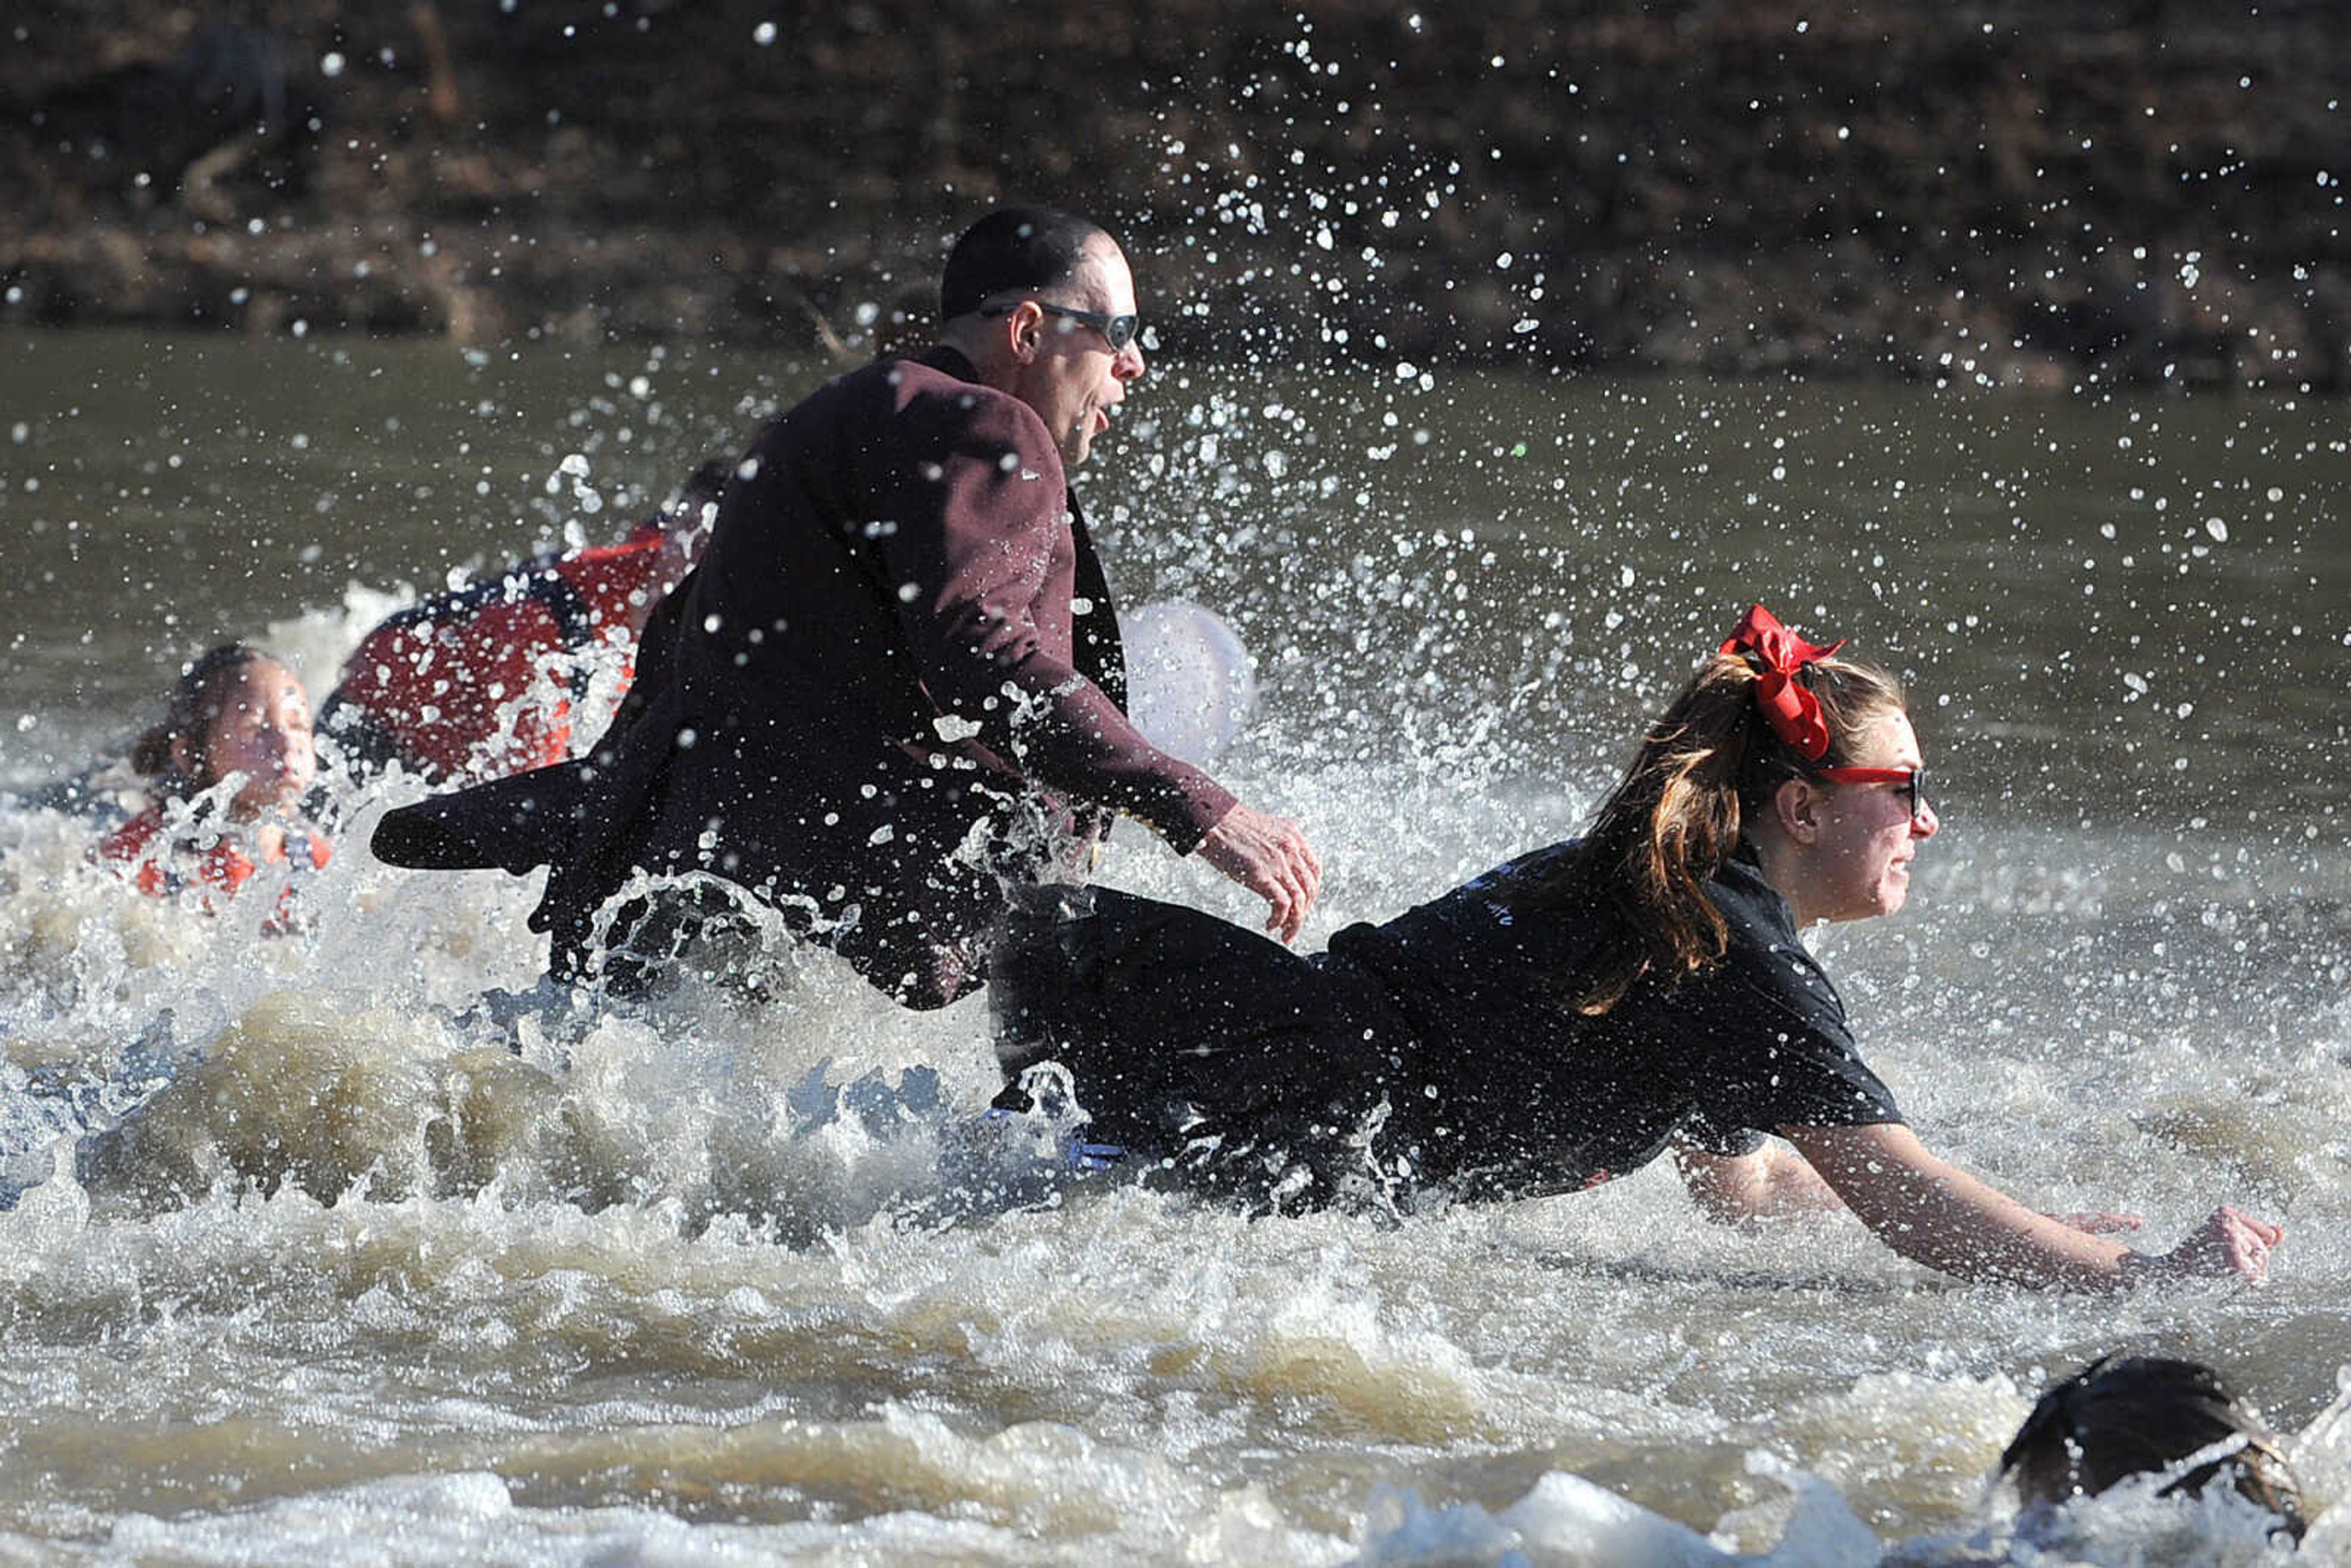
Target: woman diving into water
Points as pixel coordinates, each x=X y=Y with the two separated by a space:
x=1576 y=1012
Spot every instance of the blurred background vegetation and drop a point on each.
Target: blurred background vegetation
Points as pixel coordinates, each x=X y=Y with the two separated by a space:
x=2044 y=194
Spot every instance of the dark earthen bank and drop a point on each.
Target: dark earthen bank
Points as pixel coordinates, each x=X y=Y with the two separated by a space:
x=2045 y=194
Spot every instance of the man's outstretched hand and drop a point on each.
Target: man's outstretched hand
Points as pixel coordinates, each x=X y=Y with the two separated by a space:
x=1270 y=857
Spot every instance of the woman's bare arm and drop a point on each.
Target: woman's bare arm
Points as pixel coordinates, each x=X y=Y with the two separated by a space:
x=1932 y=1212
x=1734 y=1189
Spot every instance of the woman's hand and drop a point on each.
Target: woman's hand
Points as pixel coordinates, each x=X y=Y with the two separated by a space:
x=2229 y=1243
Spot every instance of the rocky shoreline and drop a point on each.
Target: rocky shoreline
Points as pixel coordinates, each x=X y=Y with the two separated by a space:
x=1999 y=195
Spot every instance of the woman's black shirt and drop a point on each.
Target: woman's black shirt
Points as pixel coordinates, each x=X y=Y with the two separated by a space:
x=1505 y=1089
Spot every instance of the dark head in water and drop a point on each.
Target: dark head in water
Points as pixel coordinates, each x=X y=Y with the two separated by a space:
x=2149 y=1415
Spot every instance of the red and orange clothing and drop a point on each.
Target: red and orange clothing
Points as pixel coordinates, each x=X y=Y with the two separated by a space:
x=481 y=683
x=161 y=866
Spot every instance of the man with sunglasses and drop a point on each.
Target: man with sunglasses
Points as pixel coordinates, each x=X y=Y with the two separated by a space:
x=894 y=688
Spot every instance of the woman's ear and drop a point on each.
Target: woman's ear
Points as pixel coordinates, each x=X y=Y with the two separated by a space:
x=184 y=756
x=1796 y=811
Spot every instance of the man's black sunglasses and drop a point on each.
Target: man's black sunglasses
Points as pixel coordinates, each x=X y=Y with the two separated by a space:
x=1118 y=331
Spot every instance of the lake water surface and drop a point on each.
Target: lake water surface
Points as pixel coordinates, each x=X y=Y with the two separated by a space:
x=303 y=1269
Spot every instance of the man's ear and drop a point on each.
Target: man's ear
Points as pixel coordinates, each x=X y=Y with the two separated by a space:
x=1796 y=808
x=1024 y=331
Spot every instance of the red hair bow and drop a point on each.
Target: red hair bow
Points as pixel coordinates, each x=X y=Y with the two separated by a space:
x=1777 y=654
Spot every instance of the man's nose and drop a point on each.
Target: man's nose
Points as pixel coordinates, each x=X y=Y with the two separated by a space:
x=1927 y=823
x=1128 y=363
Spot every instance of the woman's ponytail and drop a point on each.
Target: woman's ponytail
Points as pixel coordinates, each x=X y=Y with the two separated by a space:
x=1716 y=756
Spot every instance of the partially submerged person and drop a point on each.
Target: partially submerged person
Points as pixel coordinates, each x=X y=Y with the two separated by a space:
x=895 y=683
x=2178 y=1421
x=228 y=766
x=1573 y=1014
x=484 y=681
x=2162 y=1428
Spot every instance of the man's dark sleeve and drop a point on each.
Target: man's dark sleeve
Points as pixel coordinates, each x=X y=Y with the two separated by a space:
x=974 y=511
x=515 y=824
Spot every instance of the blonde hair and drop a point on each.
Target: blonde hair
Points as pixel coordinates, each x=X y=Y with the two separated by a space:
x=1709 y=764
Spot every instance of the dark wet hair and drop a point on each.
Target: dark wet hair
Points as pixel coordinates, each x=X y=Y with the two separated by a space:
x=2144 y=1415
x=1023 y=248
x=1710 y=763
x=196 y=701
x=706 y=486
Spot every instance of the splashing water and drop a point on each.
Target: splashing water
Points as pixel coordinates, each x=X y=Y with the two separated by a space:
x=352 y=1240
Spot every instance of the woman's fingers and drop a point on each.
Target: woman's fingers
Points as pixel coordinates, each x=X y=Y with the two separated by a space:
x=2243 y=1242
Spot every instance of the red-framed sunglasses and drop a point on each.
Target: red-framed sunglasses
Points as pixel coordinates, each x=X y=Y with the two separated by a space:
x=1912 y=779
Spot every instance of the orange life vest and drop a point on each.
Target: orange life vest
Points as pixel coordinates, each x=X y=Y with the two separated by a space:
x=162 y=867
